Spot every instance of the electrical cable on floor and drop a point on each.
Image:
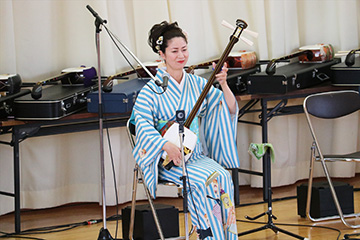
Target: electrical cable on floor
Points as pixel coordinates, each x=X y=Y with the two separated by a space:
x=57 y=228
x=348 y=236
x=295 y=225
x=46 y=230
x=54 y=229
x=261 y=202
x=25 y=237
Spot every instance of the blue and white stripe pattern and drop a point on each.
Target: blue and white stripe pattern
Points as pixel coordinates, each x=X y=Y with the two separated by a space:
x=213 y=200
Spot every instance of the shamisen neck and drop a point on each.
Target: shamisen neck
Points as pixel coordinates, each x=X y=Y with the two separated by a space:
x=233 y=39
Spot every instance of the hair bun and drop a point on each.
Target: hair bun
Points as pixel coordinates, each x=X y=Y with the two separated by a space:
x=160 y=33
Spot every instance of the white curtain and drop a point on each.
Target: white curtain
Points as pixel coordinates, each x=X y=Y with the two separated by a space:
x=39 y=38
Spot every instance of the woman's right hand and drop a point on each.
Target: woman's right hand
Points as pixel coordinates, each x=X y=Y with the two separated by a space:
x=173 y=152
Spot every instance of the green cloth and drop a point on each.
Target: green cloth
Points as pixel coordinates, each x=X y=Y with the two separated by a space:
x=259 y=149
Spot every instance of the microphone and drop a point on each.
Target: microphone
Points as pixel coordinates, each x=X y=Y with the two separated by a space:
x=165 y=77
x=108 y=85
x=96 y=15
x=36 y=91
x=350 y=58
x=271 y=66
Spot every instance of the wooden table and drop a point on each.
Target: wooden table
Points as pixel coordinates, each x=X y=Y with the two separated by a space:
x=280 y=109
x=21 y=130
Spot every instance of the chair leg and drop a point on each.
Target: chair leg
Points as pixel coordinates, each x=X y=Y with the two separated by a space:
x=333 y=193
x=311 y=173
x=138 y=171
x=336 y=201
x=152 y=207
x=133 y=202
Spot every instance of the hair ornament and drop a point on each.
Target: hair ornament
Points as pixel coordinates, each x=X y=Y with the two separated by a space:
x=159 y=42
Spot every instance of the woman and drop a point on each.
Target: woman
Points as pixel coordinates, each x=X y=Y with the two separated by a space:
x=210 y=192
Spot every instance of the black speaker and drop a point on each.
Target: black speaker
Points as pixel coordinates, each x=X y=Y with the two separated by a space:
x=322 y=203
x=145 y=228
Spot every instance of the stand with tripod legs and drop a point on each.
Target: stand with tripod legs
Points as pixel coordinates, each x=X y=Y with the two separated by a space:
x=104 y=233
x=267 y=183
x=180 y=119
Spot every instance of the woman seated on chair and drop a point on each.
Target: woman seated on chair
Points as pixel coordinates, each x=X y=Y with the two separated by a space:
x=209 y=187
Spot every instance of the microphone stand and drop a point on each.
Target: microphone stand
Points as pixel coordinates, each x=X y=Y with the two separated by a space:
x=180 y=118
x=104 y=233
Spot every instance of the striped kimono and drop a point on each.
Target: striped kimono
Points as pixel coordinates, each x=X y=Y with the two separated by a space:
x=210 y=192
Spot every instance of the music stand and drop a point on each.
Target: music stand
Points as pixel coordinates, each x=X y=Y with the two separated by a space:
x=104 y=233
x=267 y=183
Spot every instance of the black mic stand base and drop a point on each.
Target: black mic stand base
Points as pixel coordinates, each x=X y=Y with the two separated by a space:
x=269 y=224
x=104 y=234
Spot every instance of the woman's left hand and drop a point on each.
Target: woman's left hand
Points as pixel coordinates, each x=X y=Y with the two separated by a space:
x=222 y=75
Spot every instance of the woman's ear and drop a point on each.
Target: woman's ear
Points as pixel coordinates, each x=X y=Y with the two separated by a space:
x=162 y=55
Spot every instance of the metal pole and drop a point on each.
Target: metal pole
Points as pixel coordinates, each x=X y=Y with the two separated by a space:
x=180 y=118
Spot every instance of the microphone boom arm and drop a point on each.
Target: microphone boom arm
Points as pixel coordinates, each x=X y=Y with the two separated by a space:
x=134 y=57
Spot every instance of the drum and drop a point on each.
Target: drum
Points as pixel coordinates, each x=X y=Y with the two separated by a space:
x=321 y=53
x=242 y=60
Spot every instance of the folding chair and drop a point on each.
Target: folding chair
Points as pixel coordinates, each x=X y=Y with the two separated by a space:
x=137 y=170
x=328 y=107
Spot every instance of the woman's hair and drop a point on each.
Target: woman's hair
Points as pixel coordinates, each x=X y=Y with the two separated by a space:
x=161 y=33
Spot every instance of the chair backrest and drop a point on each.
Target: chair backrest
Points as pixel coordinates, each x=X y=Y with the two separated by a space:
x=130 y=126
x=332 y=104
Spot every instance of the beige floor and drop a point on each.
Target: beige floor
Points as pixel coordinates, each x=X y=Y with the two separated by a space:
x=284 y=210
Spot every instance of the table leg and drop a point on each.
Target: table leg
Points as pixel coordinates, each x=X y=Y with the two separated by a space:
x=15 y=142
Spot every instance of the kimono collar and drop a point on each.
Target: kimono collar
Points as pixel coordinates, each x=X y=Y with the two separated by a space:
x=182 y=82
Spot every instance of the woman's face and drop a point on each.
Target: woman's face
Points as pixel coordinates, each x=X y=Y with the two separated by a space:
x=176 y=54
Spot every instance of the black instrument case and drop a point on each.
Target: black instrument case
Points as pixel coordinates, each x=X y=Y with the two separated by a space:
x=57 y=101
x=291 y=77
x=10 y=89
x=236 y=79
x=346 y=75
x=7 y=103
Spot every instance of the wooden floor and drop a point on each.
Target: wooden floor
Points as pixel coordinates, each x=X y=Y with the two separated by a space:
x=284 y=208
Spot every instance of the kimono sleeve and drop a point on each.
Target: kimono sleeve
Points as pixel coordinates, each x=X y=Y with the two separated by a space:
x=220 y=130
x=149 y=142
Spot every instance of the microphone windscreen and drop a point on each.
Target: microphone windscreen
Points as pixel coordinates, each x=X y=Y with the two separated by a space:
x=36 y=91
x=165 y=77
x=107 y=85
x=350 y=58
x=271 y=68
